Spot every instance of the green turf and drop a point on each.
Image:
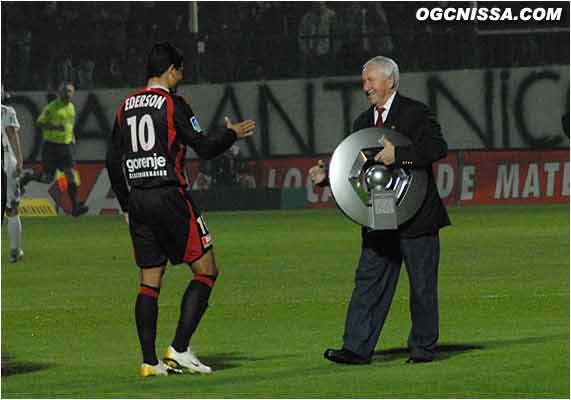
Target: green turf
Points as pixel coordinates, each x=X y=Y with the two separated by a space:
x=68 y=328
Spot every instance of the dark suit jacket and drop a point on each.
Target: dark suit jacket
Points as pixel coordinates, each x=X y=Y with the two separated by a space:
x=414 y=120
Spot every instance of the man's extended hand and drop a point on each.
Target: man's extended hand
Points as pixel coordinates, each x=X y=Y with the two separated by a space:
x=317 y=173
x=387 y=154
x=242 y=129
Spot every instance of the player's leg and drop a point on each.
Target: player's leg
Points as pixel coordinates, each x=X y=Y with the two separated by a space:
x=191 y=243
x=193 y=306
x=72 y=186
x=146 y=315
x=147 y=311
x=15 y=234
x=151 y=261
x=73 y=182
x=45 y=177
x=195 y=299
x=12 y=204
x=49 y=166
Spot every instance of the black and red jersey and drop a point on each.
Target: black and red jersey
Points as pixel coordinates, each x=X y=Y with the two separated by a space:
x=147 y=145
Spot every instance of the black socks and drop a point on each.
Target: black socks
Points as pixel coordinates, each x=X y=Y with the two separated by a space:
x=192 y=308
x=146 y=314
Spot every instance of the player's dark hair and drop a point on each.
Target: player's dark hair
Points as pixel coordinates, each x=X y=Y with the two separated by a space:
x=162 y=56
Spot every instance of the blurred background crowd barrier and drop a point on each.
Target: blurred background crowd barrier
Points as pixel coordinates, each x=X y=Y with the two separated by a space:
x=104 y=44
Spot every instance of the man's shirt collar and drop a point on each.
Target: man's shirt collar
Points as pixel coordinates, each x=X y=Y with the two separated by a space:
x=157 y=86
x=386 y=106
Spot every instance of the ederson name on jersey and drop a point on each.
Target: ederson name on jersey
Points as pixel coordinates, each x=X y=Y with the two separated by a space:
x=144 y=100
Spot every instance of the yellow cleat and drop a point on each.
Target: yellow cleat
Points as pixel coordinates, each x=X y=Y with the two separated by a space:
x=158 y=370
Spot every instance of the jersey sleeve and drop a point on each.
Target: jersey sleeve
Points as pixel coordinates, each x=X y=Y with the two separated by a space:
x=206 y=145
x=12 y=118
x=113 y=161
x=428 y=144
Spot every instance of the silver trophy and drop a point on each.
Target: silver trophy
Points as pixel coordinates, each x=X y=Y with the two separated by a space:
x=368 y=192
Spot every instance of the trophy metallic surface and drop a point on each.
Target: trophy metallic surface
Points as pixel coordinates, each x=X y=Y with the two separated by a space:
x=371 y=194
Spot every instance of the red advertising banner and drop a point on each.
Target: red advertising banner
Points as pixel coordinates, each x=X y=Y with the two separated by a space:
x=462 y=178
x=514 y=177
x=445 y=173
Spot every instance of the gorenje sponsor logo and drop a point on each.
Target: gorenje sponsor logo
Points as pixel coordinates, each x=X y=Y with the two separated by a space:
x=151 y=166
x=488 y=14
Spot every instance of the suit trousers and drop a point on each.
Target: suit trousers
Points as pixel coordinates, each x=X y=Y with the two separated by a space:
x=376 y=281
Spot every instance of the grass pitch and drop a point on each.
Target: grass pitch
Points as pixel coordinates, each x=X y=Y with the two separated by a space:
x=68 y=327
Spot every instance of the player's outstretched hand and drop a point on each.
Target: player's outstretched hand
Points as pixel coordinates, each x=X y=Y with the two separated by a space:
x=242 y=129
x=317 y=173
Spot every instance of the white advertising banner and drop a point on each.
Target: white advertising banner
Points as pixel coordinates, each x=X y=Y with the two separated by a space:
x=518 y=108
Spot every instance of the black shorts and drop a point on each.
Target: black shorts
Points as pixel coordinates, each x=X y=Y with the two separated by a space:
x=57 y=156
x=165 y=225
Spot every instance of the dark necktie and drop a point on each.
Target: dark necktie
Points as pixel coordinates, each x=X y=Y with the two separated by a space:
x=380 y=123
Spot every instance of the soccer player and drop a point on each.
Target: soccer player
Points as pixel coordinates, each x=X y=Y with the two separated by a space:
x=145 y=157
x=11 y=170
x=57 y=121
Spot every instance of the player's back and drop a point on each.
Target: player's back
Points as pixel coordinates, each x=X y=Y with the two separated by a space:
x=151 y=131
x=145 y=125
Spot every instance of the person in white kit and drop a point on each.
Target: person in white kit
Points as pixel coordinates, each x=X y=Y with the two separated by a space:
x=11 y=171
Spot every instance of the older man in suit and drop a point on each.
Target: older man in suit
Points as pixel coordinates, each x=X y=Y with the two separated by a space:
x=416 y=242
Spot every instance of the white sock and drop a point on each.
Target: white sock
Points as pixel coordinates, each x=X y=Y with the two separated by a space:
x=15 y=232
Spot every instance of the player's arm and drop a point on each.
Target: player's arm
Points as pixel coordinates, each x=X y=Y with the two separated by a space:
x=13 y=133
x=44 y=121
x=212 y=144
x=216 y=141
x=114 y=164
x=428 y=144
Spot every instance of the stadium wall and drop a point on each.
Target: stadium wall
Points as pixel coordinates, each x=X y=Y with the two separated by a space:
x=463 y=178
x=517 y=108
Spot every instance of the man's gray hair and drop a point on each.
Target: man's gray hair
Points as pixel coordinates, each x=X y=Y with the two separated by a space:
x=388 y=66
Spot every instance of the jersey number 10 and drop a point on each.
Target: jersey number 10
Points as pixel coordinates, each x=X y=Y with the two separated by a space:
x=143 y=133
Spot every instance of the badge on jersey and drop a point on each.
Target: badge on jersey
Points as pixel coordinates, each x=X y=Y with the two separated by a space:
x=206 y=240
x=195 y=124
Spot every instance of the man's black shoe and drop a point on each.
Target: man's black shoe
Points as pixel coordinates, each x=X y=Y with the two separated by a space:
x=345 y=356
x=79 y=210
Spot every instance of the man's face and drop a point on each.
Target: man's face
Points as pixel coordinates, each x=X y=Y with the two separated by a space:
x=67 y=92
x=376 y=86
